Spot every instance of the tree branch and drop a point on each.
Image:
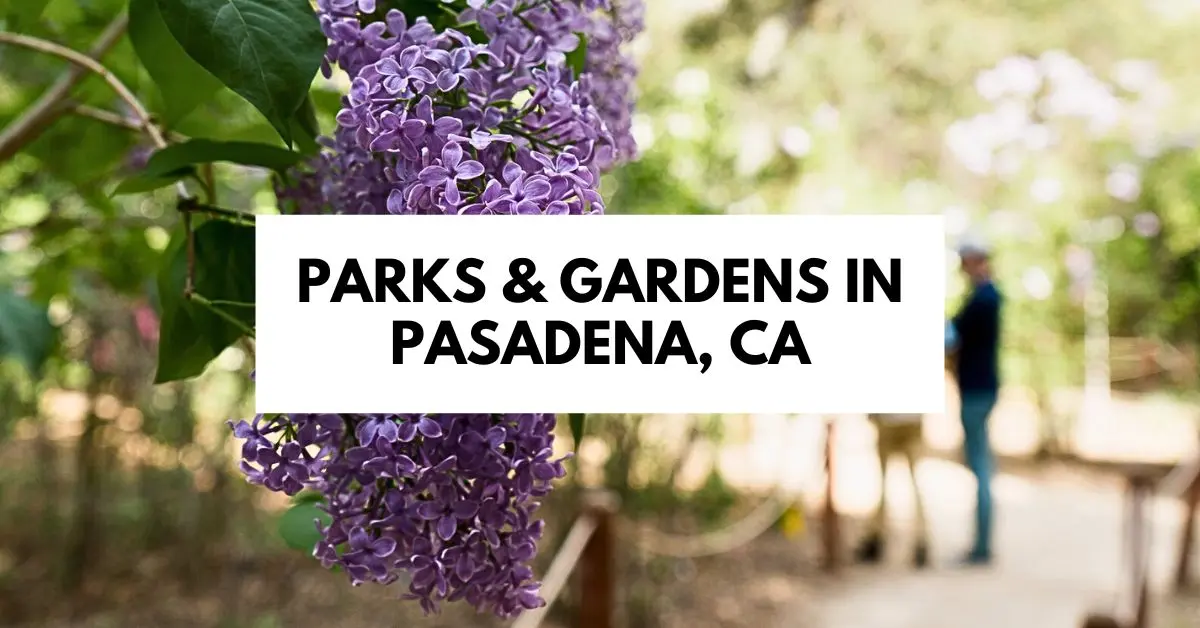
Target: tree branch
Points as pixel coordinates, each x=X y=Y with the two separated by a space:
x=102 y=115
x=229 y=318
x=43 y=112
x=190 y=205
x=189 y=281
x=56 y=220
x=88 y=63
x=52 y=103
x=113 y=118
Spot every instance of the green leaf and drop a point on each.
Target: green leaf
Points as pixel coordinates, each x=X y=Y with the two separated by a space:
x=298 y=526
x=577 y=58
x=268 y=51
x=308 y=496
x=306 y=128
x=326 y=102
x=184 y=85
x=23 y=13
x=176 y=157
x=192 y=335
x=440 y=16
x=431 y=10
x=82 y=151
x=306 y=117
x=576 y=424
x=140 y=183
x=25 y=331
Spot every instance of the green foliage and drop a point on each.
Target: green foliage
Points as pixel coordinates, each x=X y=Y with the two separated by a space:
x=141 y=183
x=192 y=332
x=179 y=156
x=1160 y=275
x=298 y=528
x=577 y=58
x=307 y=496
x=82 y=152
x=183 y=84
x=647 y=186
x=433 y=10
x=714 y=499
x=268 y=51
x=178 y=161
x=576 y=423
x=26 y=333
x=22 y=13
x=711 y=504
x=306 y=127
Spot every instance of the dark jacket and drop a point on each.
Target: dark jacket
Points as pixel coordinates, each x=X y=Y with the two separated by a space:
x=978 y=327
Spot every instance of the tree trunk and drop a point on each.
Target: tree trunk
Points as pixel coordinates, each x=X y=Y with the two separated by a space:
x=82 y=535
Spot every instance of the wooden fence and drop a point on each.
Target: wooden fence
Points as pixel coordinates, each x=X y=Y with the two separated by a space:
x=591 y=545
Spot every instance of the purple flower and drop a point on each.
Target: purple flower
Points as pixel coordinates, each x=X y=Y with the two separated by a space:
x=377 y=427
x=451 y=170
x=350 y=6
x=440 y=128
x=482 y=140
x=366 y=558
x=449 y=498
x=565 y=165
x=398 y=72
x=446 y=515
x=457 y=66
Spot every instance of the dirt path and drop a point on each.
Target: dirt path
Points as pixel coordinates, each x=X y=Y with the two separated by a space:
x=1059 y=555
x=1059 y=533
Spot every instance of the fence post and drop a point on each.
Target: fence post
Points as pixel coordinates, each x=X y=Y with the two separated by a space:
x=597 y=565
x=1141 y=488
x=830 y=524
x=1183 y=570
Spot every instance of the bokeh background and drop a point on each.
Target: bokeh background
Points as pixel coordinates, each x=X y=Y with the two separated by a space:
x=1063 y=132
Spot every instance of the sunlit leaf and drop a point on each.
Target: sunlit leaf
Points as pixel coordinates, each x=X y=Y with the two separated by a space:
x=298 y=526
x=268 y=51
x=577 y=58
x=308 y=497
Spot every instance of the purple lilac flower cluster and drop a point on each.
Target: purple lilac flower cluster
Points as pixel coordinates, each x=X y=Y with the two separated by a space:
x=447 y=498
x=613 y=74
x=436 y=122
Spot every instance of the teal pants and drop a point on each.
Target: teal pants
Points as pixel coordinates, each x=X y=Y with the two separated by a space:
x=976 y=408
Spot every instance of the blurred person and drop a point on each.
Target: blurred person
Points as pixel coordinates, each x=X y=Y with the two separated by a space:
x=900 y=434
x=976 y=371
x=896 y=434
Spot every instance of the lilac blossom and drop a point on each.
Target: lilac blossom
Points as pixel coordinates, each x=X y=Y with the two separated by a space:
x=452 y=505
x=482 y=118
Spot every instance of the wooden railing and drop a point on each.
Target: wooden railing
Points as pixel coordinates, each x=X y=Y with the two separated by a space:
x=831 y=526
x=590 y=547
x=1183 y=482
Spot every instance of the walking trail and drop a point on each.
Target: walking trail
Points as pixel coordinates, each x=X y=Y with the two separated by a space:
x=1060 y=536
x=1060 y=554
